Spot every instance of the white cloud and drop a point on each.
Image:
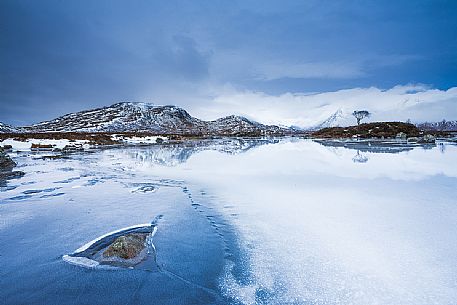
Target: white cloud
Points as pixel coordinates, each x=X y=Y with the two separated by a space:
x=251 y=64
x=416 y=102
x=309 y=70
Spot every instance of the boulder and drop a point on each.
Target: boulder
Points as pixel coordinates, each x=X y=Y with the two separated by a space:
x=72 y=148
x=6 y=164
x=6 y=168
x=7 y=175
x=126 y=246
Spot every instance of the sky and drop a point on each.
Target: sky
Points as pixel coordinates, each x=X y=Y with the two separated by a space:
x=283 y=62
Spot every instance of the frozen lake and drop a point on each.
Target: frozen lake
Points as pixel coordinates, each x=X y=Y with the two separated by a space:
x=238 y=222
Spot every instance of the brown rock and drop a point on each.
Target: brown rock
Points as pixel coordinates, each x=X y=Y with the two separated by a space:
x=126 y=246
x=41 y=146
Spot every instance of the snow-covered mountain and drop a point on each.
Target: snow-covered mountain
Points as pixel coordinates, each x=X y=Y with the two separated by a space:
x=122 y=117
x=4 y=128
x=342 y=118
x=332 y=121
x=339 y=118
x=125 y=117
x=439 y=126
x=237 y=124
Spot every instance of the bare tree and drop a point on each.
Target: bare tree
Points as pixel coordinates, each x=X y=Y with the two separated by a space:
x=360 y=114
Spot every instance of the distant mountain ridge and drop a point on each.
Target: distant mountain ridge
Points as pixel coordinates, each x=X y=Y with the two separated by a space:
x=144 y=117
x=343 y=118
x=439 y=126
x=5 y=128
x=168 y=119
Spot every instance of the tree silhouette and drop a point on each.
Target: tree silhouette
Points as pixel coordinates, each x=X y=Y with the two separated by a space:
x=360 y=114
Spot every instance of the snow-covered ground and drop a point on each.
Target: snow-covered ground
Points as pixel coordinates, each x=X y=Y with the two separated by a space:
x=130 y=140
x=299 y=223
x=27 y=144
x=60 y=144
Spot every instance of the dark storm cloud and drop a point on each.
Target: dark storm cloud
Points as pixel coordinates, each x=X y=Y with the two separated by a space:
x=57 y=57
x=61 y=56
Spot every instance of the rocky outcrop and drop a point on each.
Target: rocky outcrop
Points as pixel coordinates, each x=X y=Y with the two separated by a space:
x=6 y=164
x=6 y=168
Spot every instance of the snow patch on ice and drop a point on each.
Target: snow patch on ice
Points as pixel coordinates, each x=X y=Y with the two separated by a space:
x=80 y=261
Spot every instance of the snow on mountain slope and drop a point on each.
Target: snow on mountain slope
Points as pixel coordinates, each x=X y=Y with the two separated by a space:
x=440 y=126
x=418 y=103
x=122 y=117
x=331 y=121
x=237 y=124
x=338 y=119
x=4 y=128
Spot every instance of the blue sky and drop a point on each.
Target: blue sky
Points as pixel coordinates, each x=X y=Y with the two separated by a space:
x=63 y=56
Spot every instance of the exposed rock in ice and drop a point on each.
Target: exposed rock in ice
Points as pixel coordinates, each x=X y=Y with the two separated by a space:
x=126 y=247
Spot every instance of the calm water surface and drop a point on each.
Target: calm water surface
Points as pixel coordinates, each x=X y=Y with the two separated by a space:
x=240 y=222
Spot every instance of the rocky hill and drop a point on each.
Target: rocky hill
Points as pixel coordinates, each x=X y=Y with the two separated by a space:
x=370 y=130
x=143 y=117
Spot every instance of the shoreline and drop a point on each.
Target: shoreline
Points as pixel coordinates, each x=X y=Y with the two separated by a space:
x=66 y=143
